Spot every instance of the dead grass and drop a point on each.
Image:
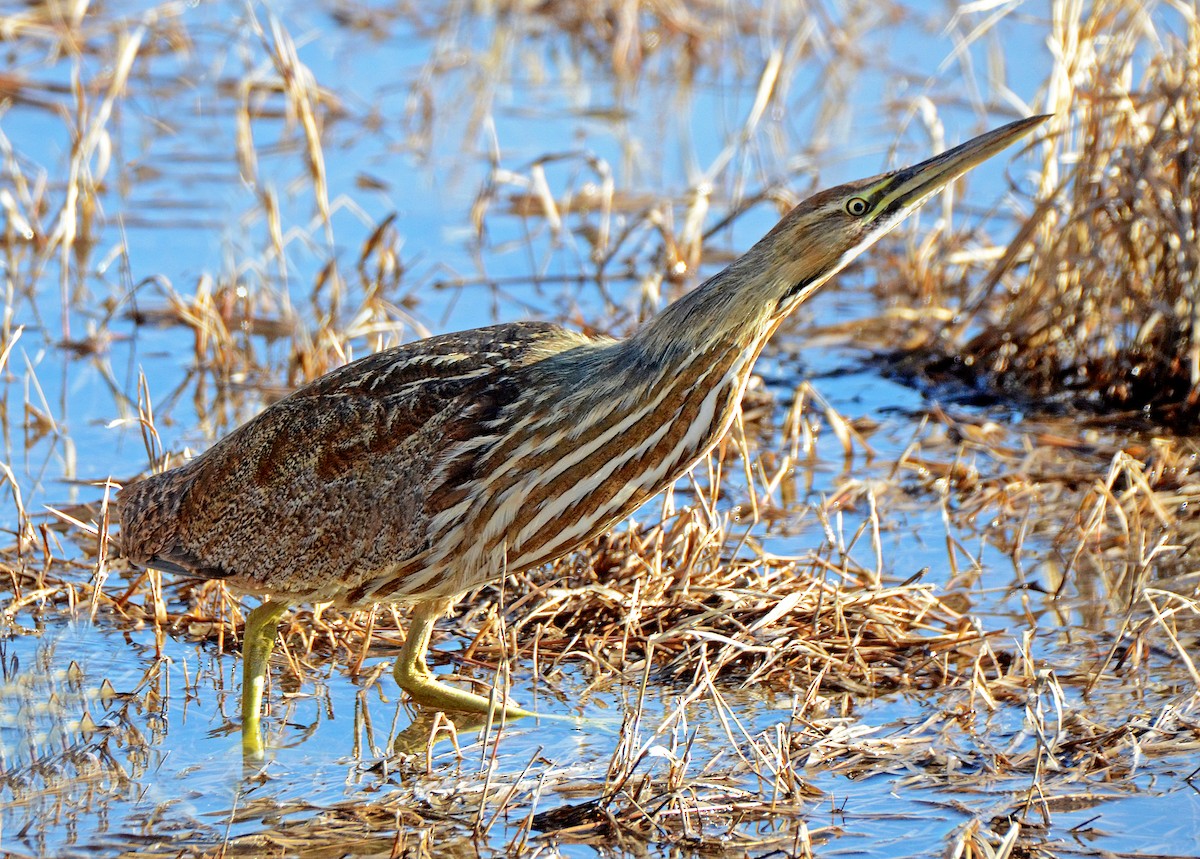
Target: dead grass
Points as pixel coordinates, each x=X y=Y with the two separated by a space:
x=1084 y=322
x=690 y=593
x=1092 y=305
x=685 y=602
x=689 y=604
x=1100 y=523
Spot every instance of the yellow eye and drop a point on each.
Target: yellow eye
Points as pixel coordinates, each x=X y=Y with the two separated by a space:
x=857 y=206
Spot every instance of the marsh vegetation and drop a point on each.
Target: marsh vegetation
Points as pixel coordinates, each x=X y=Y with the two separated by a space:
x=934 y=594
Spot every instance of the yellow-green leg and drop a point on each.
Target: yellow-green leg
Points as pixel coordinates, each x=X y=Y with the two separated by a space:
x=258 y=640
x=414 y=677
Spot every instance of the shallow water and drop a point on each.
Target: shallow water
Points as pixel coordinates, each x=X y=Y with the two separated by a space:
x=417 y=105
x=170 y=774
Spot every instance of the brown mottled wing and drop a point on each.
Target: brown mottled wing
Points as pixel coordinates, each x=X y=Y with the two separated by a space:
x=329 y=484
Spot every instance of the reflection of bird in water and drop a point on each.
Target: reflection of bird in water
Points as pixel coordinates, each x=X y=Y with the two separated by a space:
x=423 y=471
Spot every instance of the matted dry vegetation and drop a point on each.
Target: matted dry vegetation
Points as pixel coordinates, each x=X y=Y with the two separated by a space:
x=1091 y=304
x=685 y=603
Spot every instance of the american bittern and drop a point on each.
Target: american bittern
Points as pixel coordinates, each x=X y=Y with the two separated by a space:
x=423 y=471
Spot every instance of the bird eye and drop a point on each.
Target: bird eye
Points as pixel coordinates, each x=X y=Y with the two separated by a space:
x=857 y=206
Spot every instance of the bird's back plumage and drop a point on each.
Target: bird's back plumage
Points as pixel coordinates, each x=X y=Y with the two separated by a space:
x=337 y=482
x=424 y=470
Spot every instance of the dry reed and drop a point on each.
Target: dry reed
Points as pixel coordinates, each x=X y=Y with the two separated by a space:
x=1092 y=304
x=684 y=602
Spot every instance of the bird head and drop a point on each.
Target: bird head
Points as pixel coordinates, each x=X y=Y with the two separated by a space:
x=742 y=305
x=821 y=235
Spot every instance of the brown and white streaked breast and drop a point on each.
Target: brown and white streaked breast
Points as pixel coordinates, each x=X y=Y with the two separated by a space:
x=556 y=469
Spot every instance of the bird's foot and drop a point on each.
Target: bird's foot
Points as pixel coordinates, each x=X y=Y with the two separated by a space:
x=427 y=691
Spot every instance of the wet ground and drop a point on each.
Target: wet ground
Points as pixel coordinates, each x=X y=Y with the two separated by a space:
x=202 y=208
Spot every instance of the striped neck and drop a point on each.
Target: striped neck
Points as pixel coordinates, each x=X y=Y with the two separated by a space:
x=736 y=310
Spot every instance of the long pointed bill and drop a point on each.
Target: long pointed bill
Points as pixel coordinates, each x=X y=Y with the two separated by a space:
x=906 y=188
